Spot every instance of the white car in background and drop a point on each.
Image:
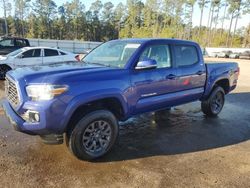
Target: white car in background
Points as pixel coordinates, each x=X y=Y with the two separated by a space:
x=31 y=56
x=213 y=54
x=224 y=54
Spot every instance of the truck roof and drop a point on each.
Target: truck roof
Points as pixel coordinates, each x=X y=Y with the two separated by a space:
x=8 y=37
x=145 y=40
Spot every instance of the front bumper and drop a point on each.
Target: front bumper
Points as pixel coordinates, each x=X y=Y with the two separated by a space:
x=18 y=123
x=51 y=114
x=13 y=118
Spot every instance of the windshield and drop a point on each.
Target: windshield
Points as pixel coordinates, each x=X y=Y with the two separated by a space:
x=113 y=53
x=7 y=42
x=16 y=52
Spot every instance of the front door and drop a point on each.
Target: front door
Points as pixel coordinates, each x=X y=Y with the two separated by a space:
x=29 y=58
x=153 y=87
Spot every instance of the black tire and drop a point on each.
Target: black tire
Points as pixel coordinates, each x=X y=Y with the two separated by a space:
x=94 y=128
x=3 y=70
x=214 y=104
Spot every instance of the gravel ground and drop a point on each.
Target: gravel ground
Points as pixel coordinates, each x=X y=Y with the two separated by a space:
x=181 y=149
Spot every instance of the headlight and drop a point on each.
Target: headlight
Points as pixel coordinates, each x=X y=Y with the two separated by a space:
x=45 y=92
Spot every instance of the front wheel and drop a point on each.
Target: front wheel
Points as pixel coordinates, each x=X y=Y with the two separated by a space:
x=94 y=135
x=214 y=104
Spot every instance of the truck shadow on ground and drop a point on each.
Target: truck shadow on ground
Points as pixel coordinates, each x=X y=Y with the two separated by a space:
x=180 y=131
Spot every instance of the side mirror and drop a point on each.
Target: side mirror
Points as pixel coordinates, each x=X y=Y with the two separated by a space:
x=146 y=64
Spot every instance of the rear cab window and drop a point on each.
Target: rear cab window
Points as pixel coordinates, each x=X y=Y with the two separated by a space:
x=21 y=43
x=186 y=55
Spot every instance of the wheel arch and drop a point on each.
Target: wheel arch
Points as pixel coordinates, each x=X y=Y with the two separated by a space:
x=115 y=104
x=4 y=68
x=224 y=83
x=6 y=65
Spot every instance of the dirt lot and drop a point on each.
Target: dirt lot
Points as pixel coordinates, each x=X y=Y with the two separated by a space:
x=184 y=149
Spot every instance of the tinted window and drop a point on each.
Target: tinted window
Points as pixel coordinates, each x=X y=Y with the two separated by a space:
x=7 y=42
x=186 y=55
x=37 y=53
x=28 y=54
x=32 y=53
x=160 y=53
x=49 y=52
x=62 y=53
x=20 y=42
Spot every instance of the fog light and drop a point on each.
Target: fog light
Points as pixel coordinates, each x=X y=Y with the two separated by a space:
x=31 y=116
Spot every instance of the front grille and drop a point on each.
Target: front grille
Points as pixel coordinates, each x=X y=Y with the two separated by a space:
x=11 y=92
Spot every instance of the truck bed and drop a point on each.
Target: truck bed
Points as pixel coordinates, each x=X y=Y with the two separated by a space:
x=220 y=71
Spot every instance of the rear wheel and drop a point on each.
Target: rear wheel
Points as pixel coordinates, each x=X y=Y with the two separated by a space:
x=94 y=135
x=3 y=70
x=214 y=104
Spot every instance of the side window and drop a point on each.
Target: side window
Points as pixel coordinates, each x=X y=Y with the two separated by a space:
x=50 y=52
x=62 y=53
x=32 y=53
x=28 y=54
x=20 y=42
x=37 y=53
x=7 y=42
x=185 y=55
x=160 y=53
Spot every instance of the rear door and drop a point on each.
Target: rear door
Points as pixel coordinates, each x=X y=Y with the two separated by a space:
x=191 y=72
x=29 y=58
x=153 y=87
x=51 y=56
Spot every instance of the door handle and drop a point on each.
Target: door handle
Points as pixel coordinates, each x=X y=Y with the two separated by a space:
x=200 y=72
x=171 y=76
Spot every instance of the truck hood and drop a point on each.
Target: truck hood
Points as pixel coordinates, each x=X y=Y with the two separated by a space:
x=55 y=72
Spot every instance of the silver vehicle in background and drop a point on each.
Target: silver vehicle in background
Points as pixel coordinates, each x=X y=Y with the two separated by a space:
x=224 y=54
x=245 y=55
x=234 y=55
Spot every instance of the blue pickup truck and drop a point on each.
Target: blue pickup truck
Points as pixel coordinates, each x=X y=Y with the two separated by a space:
x=115 y=81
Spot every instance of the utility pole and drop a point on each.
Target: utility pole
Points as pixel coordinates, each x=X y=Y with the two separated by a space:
x=5 y=17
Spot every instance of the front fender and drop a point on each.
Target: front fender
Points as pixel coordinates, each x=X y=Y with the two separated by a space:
x=90 y=97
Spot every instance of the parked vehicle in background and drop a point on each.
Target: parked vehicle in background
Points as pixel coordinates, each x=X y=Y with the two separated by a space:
x=84 y=53
x=30 y=56
x=224 y=54
x=213 y=54
x=234 y=55
x=10 y=44
x=245 y=55
x=127 y=77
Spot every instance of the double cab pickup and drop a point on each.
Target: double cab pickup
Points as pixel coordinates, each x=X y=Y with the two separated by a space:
x=115 y=81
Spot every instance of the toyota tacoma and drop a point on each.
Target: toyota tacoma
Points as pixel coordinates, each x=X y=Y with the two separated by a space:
x=83 y=103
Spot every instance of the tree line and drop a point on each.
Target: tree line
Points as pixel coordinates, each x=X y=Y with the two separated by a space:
x=137 y=18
